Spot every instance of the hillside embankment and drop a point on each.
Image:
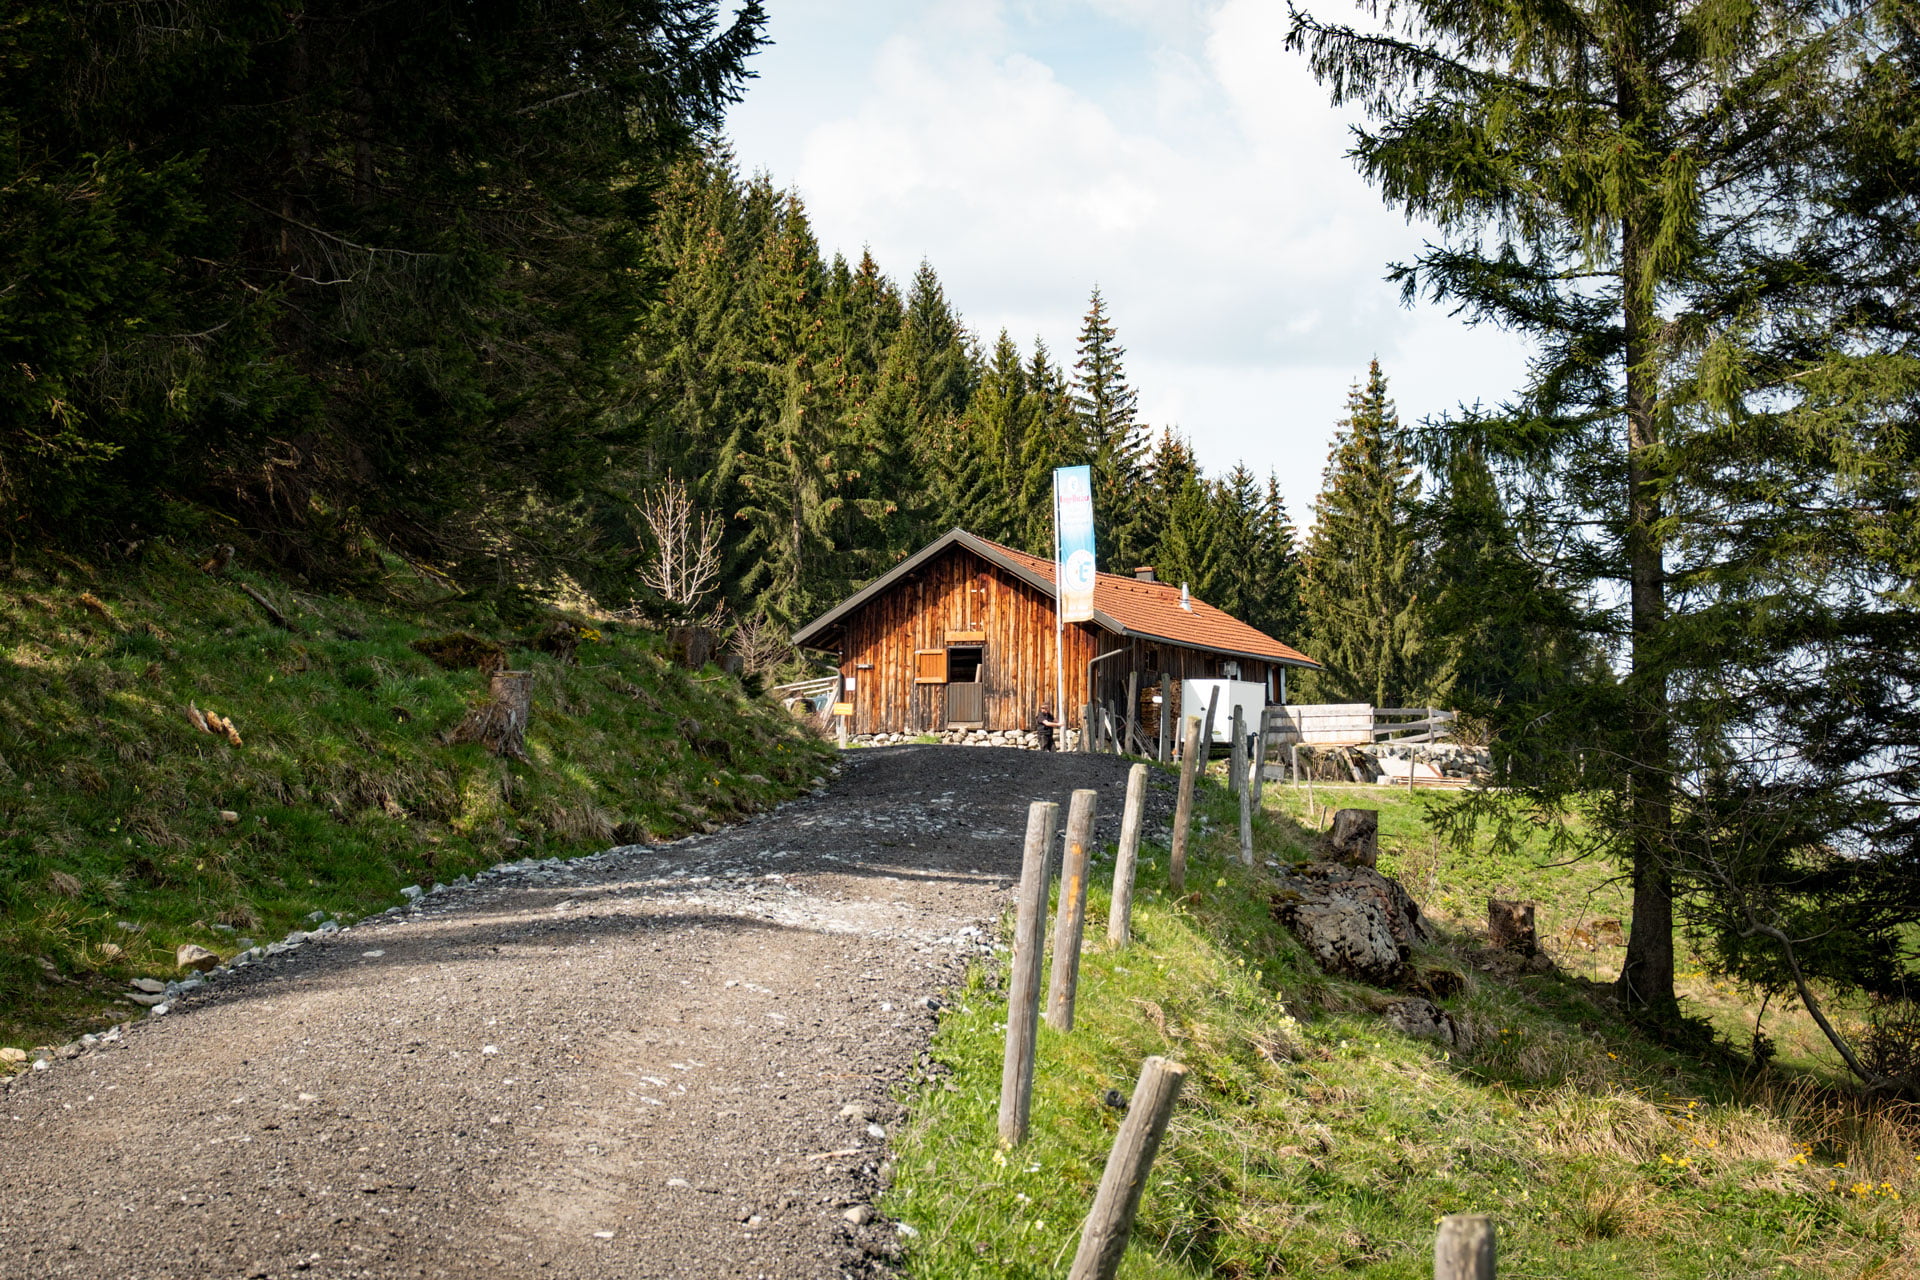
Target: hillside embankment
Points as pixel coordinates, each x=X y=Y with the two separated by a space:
x=1329 y=1119
x=193 y=753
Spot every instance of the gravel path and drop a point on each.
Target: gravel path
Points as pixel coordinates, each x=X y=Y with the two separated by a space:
x=669 y=1061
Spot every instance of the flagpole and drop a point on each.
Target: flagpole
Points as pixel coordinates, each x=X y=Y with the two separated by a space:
x=1059 y=626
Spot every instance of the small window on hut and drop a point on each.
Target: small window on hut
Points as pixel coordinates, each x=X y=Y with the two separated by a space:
x=929 y=666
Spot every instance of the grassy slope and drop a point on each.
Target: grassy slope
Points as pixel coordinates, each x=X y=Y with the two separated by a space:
x=110 y=800
x=1312 y=1139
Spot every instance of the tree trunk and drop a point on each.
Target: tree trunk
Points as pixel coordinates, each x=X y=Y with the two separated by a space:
x=1645 y=984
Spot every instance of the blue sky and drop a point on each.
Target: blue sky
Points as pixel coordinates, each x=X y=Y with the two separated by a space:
x=1167 y=150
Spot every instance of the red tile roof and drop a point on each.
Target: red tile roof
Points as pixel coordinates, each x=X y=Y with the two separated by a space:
x=1152 y=609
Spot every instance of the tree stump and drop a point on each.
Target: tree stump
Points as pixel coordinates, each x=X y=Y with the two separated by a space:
x=692 y=647
x=1354 y=837
x=500 y=724
x=1510 y=927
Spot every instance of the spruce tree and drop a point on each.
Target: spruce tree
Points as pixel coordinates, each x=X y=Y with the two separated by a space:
x=861 y=316
x=1276 y=607
x=1002 y=414
x=1236 y=586
x=1190 y=546
x=948 y=366
x=1666 y=199
x=1112 y=437
x=1052 y=440
x=1169 y=469
x=1359 y=581
x=793 y=468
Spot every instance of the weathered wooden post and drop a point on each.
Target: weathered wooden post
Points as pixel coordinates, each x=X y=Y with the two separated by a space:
x=1120 y=913
x=1133 y=712
x=1071 y=921
x=1166 y=718
x=1260 y=762
x=1237 y=755
x=1023 y=983
x=1464 y=1249
x=1246 y=824
x=1087 y=745
x=1183 y=809
x=1104 y=1238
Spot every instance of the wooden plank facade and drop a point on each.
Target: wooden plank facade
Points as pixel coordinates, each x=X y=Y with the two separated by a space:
x=962 y=637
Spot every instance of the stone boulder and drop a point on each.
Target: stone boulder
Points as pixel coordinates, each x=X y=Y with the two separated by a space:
x=191 y=956
x=1356 y=922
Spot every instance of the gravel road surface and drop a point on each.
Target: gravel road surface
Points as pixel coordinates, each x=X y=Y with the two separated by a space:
x=668 y=1061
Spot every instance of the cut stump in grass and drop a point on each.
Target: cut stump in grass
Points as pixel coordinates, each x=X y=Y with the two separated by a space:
x=500 y=723
x=1354 y=837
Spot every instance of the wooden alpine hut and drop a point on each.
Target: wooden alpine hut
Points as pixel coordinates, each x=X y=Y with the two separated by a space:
x=960 y=635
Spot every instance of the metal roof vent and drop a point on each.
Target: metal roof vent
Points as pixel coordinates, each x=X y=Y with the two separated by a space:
x=1186 y=601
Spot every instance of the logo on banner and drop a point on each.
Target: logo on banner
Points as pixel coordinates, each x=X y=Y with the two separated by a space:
x=1073 y=520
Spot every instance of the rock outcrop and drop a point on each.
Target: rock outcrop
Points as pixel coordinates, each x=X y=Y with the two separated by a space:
x=1356 y=922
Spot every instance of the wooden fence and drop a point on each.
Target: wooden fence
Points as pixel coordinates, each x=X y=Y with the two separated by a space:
x=1464 y=1246
x=1348 y=724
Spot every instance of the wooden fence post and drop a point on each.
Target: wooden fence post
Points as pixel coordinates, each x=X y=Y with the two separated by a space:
x=1133 y=712
x=1260 y=762
x=1071 y=921
x=1183 y=809
x=1023 y=983
x=1246 y=823
x=1166 y=718
x=1104 y=1238
x=1464 y=1249
x=1087 y=746
x=1120 y=913
x=1237 y=756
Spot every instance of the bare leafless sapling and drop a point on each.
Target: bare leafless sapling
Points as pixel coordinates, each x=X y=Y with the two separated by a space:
x=683 y=560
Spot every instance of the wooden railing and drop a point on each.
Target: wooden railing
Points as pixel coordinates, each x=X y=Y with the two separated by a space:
x=1412 y=724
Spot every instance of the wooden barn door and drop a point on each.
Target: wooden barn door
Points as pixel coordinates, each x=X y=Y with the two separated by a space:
x=966 y=689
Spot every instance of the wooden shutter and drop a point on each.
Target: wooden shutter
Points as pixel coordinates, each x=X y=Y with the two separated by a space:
x=929 y=666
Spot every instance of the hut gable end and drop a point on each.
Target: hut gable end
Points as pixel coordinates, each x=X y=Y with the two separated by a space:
x=961 y=634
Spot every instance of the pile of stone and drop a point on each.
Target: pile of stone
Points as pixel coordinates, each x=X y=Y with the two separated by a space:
x=1020 y=739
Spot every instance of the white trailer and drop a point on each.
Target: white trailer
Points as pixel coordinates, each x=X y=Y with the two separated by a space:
x=1249 y=695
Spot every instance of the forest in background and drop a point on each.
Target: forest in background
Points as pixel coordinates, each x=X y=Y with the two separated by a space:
x=468 y=286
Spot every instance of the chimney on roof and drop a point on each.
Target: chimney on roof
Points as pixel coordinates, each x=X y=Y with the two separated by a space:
x=1186 y=601
x=1145 y=573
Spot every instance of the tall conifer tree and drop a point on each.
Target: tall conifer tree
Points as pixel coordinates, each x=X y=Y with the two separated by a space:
x=1114 y=440
x=1277 y=609
x=1053 y=440
x=1236 y=586
x=1645 y=191
x=1359 y=583
x=793 y=470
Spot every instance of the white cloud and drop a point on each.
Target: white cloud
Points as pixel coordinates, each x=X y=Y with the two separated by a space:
x=1173 y=153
